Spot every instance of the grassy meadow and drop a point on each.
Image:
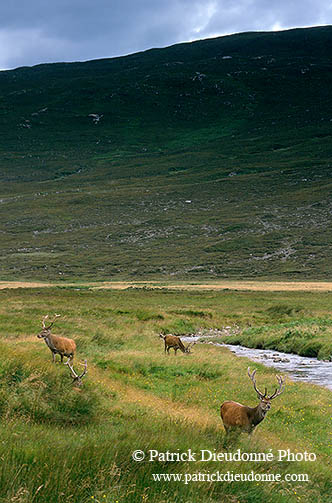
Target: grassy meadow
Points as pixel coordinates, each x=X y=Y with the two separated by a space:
x=73 y=445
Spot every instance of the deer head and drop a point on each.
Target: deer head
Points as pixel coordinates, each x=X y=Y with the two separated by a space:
x=46 y=329
x=77 y=379
x=190 y=345
x=264 y=398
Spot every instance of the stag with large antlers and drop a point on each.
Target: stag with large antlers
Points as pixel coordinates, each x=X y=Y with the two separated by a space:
x=237 y=417
x=58 y=345
x=77 y=379
x=173 y=341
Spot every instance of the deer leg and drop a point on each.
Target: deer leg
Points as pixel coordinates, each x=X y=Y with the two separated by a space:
x=175 y=350
x=61 y=356
x=165 y=347
x=53 y=357
x=226 y=438
x=230 y=437
x=251 y=431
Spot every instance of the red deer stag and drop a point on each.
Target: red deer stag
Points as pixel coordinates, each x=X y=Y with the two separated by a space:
x=58 y=345
x=173 y=341
x=76 y=378
x=242 y=418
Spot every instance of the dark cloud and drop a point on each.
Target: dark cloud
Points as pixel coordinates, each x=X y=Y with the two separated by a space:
x=39 y=31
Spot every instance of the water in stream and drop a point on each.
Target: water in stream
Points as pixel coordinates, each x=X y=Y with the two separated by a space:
x=298 y=368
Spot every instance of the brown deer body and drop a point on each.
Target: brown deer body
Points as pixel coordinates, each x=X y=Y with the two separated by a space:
x=237 y=417
x=173 y=341
x=58 y=345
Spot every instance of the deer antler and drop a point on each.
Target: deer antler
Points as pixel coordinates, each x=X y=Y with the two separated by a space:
x=281 y=382
x=190 y=345
x=76 y=378
x=44 y=319
x=52 y=322
x=252 y=377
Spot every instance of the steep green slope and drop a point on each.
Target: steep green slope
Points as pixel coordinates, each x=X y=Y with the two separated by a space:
x=208 y=159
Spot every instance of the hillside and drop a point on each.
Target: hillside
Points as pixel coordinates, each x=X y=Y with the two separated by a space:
x=201 y=160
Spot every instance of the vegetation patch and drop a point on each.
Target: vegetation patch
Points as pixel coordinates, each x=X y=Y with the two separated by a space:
x=42 y=395
x=77 y=442
x=192 y=313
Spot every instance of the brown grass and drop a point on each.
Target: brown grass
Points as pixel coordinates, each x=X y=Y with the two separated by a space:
x=272 y=286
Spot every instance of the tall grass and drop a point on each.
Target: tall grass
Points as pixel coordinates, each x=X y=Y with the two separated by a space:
x=73 y=445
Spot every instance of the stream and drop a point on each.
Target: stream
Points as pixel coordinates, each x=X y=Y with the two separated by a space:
x=298 y=368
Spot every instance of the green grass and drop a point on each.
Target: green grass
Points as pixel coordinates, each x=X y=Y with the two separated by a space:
x=291 y=329
x=302 y=337
x=60 y=443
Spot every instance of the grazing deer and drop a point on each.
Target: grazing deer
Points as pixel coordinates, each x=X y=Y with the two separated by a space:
x=76 y=378
x=242 y=418
x=173 y=341
x=58 y=345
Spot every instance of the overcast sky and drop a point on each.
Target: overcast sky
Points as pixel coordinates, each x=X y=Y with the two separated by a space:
x=41 y=31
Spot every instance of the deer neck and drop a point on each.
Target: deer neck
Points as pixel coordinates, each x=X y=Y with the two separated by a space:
x=182 y=347
x=49 y=341
x=257 y=414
